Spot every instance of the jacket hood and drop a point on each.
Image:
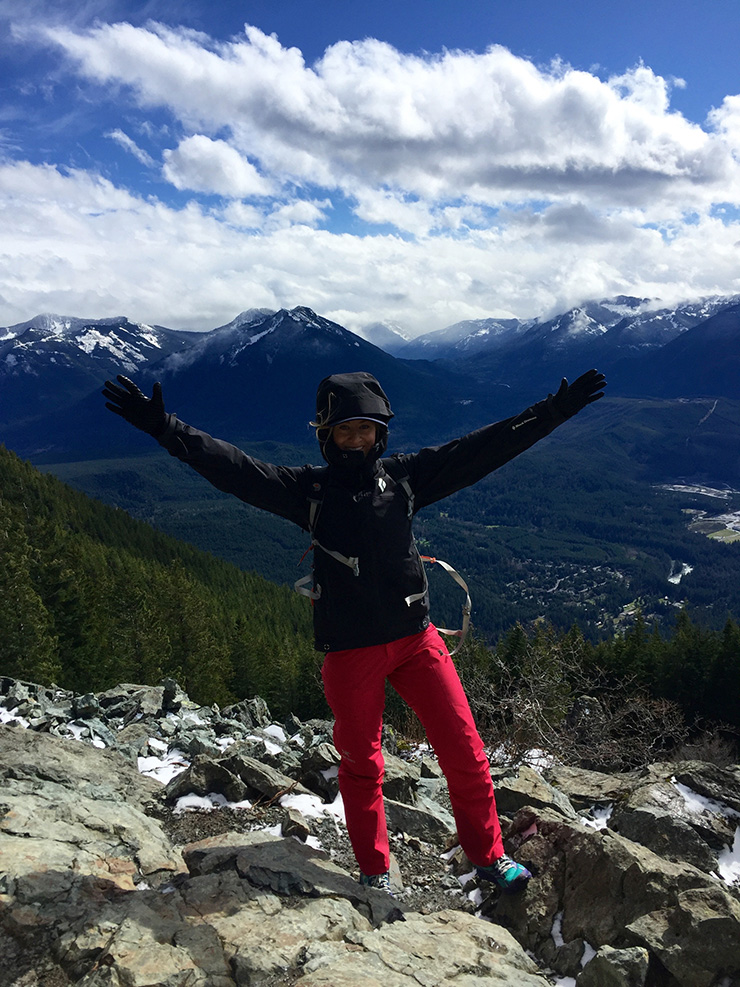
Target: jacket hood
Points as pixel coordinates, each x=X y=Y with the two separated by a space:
x=343 y=397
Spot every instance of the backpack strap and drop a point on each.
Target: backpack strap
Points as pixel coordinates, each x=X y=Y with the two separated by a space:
x=397 y=473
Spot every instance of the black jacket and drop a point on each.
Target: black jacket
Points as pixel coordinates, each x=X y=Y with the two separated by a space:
x=364 y=513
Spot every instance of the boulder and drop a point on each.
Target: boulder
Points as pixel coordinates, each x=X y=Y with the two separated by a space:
x=611 y=891
x=616 y=968
x=70 y=807
x=526 y=786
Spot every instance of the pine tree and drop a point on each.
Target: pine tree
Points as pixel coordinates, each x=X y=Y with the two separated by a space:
x=28 y=646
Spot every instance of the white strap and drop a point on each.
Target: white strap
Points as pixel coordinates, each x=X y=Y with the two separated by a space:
x=301 y=586
x=351 y=561
x=467 y=606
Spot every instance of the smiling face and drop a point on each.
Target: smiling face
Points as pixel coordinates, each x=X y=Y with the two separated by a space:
x=356 y=434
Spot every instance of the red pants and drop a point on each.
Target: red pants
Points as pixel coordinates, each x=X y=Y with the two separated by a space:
x=420 y=669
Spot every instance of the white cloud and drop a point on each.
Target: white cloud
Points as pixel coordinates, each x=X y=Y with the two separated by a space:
x=130 y=145
x=514 y=189
x=492 y=127
x=204 y=165
x=726 y=121
x=74 y=244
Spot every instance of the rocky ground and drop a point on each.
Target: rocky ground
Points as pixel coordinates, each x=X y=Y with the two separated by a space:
x=636 y=874
x=429 y=883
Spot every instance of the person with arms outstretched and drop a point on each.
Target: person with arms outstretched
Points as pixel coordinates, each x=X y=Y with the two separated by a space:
x=369 y=586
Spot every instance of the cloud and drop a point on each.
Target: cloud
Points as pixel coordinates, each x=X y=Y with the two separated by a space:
x=213 y=166
x=491 y=126
x=473 y=184
x=726 y=121
x=130 y=145
x=73 y=243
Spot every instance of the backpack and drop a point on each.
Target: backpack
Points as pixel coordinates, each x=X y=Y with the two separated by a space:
x=396 y=471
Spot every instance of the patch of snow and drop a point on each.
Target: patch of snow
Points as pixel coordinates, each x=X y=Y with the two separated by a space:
x=476 y=896
x=538 y=759
x=311 y=806
x=214 y=800
x=269 y=746
x=701 y=804
x=600 y=815
x=7 y=717
x=165 y=768
x=557 y=930
x=277 y=732
x=729 y=861
x=588 y=953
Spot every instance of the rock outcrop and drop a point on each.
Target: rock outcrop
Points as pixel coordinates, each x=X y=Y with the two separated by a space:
x=636 y=875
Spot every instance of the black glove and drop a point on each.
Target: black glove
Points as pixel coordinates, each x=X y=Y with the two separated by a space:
x=145 y=413
x=571 y=398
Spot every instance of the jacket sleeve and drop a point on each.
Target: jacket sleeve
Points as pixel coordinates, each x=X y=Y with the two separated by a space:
x=436 y=472
x=278 y=489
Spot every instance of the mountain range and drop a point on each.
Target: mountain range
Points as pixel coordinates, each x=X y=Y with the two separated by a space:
x=254 y=378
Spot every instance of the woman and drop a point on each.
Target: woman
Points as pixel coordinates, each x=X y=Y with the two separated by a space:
x=371 y=605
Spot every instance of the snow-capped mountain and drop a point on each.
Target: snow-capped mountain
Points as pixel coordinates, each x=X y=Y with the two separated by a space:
x=265 y=371
x=50 y=362
x=462 y=339
x=606 y=329
x=389 y=336
x=256 y=376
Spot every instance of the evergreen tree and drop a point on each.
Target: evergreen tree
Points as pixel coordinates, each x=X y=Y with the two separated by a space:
x=28 y=646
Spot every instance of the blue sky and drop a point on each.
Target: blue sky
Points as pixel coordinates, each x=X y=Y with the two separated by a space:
x=416 y=162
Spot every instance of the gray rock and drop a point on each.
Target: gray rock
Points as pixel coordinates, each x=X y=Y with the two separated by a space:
x=259 y=777
x=446 y=948
x=251 y=712
x=204 y=776
x=665 y=835
x=616 y=968
x=294 y=824
x=612 y=891
x=86 y=707
x=428 y=821
x=587 y=788
x=70 y=807
x=288 y=868
x=90 y=879
x=528 y=787
x=660 y=792
x=401 y=778
x=696 y=935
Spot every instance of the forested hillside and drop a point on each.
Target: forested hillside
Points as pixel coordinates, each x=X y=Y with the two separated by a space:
x=90 y=597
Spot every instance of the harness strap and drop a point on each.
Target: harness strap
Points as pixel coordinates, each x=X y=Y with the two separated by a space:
x=466 y=609
x=301 y=585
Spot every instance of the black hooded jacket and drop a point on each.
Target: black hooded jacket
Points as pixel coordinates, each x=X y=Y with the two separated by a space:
x=364 y=513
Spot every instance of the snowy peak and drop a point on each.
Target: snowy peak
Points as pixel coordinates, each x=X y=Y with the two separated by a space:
x=86 y=343
x=464 y=338
x=389 y=336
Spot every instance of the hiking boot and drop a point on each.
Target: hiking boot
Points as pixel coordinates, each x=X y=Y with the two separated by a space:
x=506 y=874
x=380 y=881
